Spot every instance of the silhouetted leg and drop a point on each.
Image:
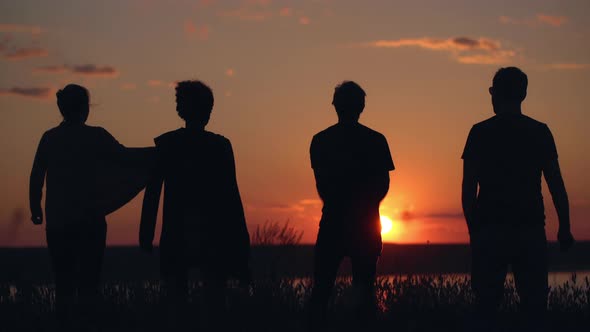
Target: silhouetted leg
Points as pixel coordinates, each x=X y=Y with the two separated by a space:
x=63 y=262
x=91 y=252
x=488 y=272
x=213 y=302
x=326 y=263
x=530 y=276
x=364 y=271
x=176 y=283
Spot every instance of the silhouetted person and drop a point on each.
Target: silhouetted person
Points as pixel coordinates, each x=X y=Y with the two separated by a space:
x=70 y=158
x=203 y=220
x=351 y=164
x=505 y=156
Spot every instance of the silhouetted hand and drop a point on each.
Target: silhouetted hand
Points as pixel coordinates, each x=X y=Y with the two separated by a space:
x=37 y=217
x=146 y=246
x=566 y=240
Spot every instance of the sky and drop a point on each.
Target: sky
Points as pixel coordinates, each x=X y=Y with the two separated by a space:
x=426 y=66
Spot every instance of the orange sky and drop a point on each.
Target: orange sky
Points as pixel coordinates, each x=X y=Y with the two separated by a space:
x=425 y=66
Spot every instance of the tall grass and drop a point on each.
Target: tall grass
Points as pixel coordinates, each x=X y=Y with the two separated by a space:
x=406 y=303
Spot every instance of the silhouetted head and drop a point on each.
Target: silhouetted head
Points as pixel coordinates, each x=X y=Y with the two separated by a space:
x=74 y=103
x=194 y=102
x=349 y=101
x=508 y=89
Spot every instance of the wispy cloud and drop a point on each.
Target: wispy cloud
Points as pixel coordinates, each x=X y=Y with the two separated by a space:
x=262 y=10
x=285 y=11
x=84 y=70
x=128 y=86
x=28 y=92
x=247 y=14
x=552 y=20
x=304 y=20
x=304 y=205
x=25 y=53
x=51 y=69
x=94 y=70
x=154 y=83
x=201 y=32
x=409 y=215
x=463 y=49
x=9 y=27
x=537 y=20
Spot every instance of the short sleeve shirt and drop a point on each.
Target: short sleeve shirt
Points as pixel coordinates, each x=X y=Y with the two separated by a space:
x=346 y=159
x=510 y=151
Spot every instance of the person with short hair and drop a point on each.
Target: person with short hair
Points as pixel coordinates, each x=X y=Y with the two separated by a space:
x=203 y=222
x=351 y=164
x=71 y=160
x=505 y=157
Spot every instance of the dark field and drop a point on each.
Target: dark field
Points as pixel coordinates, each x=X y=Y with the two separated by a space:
x=128 y=263
x=414 y=297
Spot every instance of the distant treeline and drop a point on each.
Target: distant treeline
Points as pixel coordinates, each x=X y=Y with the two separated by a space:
x=128 y=263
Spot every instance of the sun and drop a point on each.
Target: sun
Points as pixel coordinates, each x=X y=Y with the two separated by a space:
x=386 y=225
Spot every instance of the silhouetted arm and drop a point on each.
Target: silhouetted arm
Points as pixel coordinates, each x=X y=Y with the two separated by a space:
x=552 y=174
x=36 y=182
x=378 y=186
x=111 y=148
x=149 y=211
x=469 y=192
x=326 y=184
x=238 y=219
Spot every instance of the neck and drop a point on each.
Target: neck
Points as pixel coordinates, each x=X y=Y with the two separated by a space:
x=347 y=121
x=195 y=127
x=510 y=109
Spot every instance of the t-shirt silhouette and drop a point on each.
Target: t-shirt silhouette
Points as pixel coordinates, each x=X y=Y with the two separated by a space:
x=346 y=158
x=510 y=151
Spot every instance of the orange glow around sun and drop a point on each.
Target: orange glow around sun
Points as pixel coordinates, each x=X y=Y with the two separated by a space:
x=386 y=225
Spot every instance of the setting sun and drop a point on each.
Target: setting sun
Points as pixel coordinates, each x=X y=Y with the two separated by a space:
x=386 y=224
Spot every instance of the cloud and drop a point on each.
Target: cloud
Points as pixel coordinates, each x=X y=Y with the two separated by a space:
x=25 y=53
x=570 y=66
x=192 y=30
x=94 y=70
x=409 y=215
x=128 y=86
x=301 y=206
x=84 y=70
x=552 y=20
x=51 y=69
x=250 y=10
x=32 y=29
x=449 y=44
x=539 y=19
x=285 y=12
x=154 y=82
x=28 y=92
x=247 y=14
x=487 y=59
x=304 y=20
x=463 y=49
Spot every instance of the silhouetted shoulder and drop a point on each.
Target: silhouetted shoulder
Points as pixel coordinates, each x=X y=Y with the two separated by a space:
x=358 y=130
x=509 y=134
x=350 y=145
x=184 y=135
x=523 y=121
